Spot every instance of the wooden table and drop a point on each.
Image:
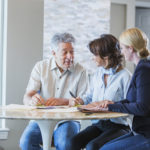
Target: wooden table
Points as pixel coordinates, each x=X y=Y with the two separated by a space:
x=48 y=118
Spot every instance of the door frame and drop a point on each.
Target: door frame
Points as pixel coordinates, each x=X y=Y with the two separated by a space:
x=130 y=9
x=130 y=15
x=142 y=4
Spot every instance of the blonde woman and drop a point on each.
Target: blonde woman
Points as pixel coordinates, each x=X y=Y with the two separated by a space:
x=133 y=43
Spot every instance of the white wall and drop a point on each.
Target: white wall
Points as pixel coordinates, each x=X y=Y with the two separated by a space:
x=89 y=18
x=25 y=47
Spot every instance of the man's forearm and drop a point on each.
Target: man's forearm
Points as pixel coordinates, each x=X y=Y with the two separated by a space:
x=28 y=97
x=26 y=100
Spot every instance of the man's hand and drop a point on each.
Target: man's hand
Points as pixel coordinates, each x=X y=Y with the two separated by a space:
x=75 y=101
x=56 y=102
x=32 y=98
x=36 y=100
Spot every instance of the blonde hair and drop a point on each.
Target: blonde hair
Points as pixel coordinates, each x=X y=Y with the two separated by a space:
x=137 y=39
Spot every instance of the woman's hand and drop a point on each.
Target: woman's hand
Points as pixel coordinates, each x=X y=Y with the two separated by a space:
x=97 y=106
x=104 y=103
x=90 y=106
x=75 y=101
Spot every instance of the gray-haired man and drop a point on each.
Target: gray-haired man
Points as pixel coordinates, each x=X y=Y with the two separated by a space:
x=54 y=78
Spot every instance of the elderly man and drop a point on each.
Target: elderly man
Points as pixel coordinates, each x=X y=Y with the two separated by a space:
x=54 y=78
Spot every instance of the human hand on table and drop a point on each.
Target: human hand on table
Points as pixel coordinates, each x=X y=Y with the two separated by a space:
x=104 y=103
x=96 y=106
x=75 y=101
x=56 y=102
x=91 y=106
x=36 y=100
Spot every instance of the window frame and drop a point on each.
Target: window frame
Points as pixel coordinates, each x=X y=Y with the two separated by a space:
x=3 y=50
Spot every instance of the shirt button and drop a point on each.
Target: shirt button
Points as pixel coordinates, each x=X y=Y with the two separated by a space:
x=57 y=88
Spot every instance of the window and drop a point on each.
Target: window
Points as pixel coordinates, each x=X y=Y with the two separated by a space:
x=1 y=51
x=3 y=33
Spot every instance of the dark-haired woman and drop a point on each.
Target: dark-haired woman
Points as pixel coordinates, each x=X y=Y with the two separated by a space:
x=110 y=81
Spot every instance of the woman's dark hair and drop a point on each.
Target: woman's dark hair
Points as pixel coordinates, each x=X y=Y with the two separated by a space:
x=107 y=46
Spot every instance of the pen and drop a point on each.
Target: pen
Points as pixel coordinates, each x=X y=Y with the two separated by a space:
x=75 y=98
x=72 y=94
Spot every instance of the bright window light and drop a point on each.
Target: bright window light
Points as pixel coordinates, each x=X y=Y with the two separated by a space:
x=3 y=41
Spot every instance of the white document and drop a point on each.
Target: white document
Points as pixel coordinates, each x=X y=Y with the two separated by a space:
x=17 y=106
x=58 y=109
x=42 y=108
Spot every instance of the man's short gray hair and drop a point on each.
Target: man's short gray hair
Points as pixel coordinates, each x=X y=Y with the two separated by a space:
x=61 y=38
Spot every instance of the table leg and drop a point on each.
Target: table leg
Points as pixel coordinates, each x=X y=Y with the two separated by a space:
x=47 y=128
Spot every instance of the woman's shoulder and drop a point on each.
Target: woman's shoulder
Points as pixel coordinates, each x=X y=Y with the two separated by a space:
x=125 y=73
x=142 y=73
x=143 y=66
x=124 y=77
x=144 y=62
